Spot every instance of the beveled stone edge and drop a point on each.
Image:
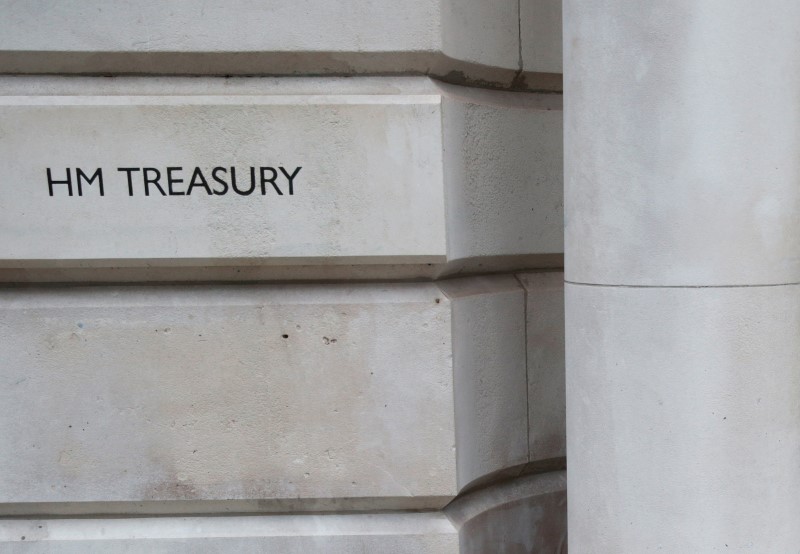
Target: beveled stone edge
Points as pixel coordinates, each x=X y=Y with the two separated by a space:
x=470 y=504
x=243 y=526
x=280 y=64
x=274 y=506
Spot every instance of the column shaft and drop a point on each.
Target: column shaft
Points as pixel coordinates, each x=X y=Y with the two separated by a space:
x=682 y=198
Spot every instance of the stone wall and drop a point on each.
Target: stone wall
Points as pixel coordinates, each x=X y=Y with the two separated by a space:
x=281 y=277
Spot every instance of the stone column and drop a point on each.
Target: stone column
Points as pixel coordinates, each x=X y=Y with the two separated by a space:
x=682 y=135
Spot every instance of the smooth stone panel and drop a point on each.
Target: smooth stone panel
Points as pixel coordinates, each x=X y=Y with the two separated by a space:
x=683 y=418
x=504 y=175
x=540 y=28
x=489 y=376
x=681 y=137
x=544 y=315
x=270 y=398
x=477 y=172
x=526 y=514
x=463 y=41
x=227 y=393
x=479 y=33
x=409 y=533
x=369 y=164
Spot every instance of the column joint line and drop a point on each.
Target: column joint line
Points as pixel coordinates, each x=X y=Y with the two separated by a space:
x=741 y=286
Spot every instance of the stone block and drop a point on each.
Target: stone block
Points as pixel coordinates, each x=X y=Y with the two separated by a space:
x=682 y=401
x=266 y=179
x=316 y=394
x=465 y=41
x=526 y=514
x=686 y=185
x=489 y=376
x=544 y=315
x=479 y=34
x=540 y=28
x=503 y=168
x=239 y=398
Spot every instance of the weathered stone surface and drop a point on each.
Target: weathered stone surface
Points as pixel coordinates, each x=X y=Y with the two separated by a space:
x=544 y=318
x=374 y=155
x=457 y=40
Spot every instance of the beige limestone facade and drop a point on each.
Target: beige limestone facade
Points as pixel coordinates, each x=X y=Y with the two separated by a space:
x=282 y=277
x=349 y=276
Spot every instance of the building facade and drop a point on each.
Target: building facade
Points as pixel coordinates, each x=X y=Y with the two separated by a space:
x=339 y=277
x=282 y=277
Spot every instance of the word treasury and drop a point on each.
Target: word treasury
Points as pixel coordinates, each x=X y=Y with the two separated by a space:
x=176 y=181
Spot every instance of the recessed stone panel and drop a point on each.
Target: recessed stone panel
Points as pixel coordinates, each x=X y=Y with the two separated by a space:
x=136 y=180
x=184 y=179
